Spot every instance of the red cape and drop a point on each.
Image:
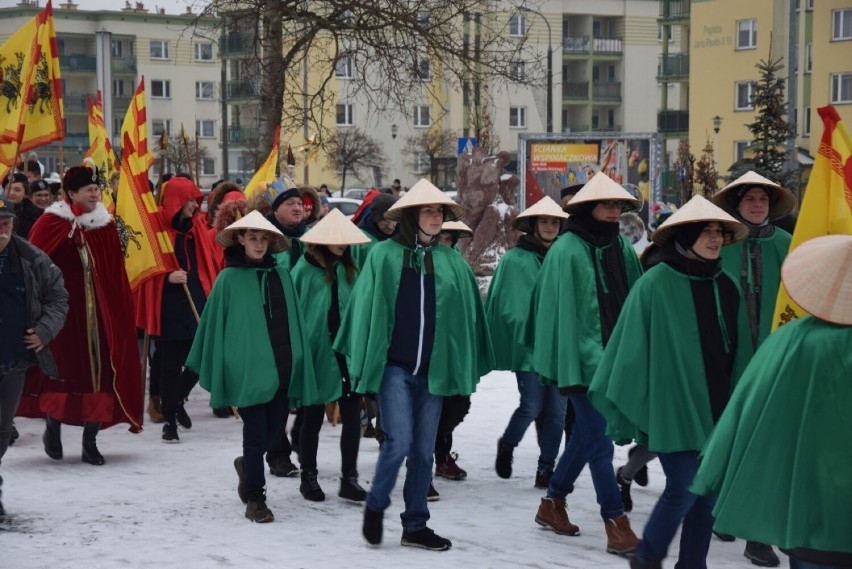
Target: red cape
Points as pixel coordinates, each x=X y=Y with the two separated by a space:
x=73 y=398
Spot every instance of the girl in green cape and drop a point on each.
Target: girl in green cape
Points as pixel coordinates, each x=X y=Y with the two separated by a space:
x=323 y=278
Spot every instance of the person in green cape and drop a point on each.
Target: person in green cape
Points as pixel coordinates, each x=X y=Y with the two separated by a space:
x=375 y=226
x=261 y=370
x=664 y=379
x=779 y=458
x=414 y=332
x=507 y=309
x=581 y=288
x=324 y=278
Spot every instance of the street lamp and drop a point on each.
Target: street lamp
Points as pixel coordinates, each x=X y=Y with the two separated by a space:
x=717 y=123
x=549 y=66
x=394 y=130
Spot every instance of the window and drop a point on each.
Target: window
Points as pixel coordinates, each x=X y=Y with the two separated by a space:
x=421 y=163
x=841 y=88
x=660 y=33
x=343 y=67
x=161 y=89
x=842 y=28
x=422 y=115
x=160 y=125
x=517 y=70
x=740 y=148
x=206 y=128
x=610 y=73
x=746 y=34
x=423 y=70
x=810 y=5
x=517 y=117
x=117 y=88
x=204 y=52
x=116 y=48
x=344 y=114
x=806 y=131
x=517 y=25
x=809 y=55
x=208 y=167
x=204 y=90
x=745 y=92
x=610 y=118
x=159 y=49
x=422 y=20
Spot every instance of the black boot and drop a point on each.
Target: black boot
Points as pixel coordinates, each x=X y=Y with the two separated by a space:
x=350 y=489
x=239 y=466
x=624 y=487
x=256 y=509
x=182 y=416
x=90 y=447
x=503 y=464
x=372 y=527
x=310 y=488
x=52 y=439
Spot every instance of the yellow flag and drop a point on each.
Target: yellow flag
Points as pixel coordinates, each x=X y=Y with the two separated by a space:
x=100 y=150
x=266 y=173
x=135 y=125
x=18 y=57
x=827 y=206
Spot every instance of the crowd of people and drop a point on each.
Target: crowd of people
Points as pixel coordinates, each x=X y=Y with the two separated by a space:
x=282 y=306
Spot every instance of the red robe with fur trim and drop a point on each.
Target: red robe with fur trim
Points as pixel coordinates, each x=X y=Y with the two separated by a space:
x=78 y=395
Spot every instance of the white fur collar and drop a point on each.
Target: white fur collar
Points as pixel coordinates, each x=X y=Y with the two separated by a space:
x=99 y=217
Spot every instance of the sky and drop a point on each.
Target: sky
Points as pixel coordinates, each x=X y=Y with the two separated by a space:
x=170 y=6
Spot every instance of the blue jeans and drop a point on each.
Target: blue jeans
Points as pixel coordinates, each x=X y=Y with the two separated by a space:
x=534 y=398
x=410 y=416
x=588 y=444
x=675 y=504
x=796 y=563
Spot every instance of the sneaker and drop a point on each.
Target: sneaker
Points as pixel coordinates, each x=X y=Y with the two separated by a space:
x=724 y=536
x=182 y=418
x=761 y=554
x=624 y=486
x=256 y=509
x=503 y=464
x=369 y=431
x=351 y=490
x=425 y=539
x=433 y=495
x=372 y=526
x=542 y=478
x=620 y=538
x=553 y=514
x=241 y=474
x=641 y=476
x=449 y=469
x=283 y=468
x=310 y=487
x=170 y=433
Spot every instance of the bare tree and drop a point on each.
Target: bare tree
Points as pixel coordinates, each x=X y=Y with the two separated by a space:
x=399 y=52
x=436 y=143
x=181 y=157
x=684 y=171
x=705 y=171
x=352 y=150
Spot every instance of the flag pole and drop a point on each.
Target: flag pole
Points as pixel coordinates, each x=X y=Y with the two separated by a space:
x=185 y=139
x=197 y=168
x=61 y=161
x=164 y=145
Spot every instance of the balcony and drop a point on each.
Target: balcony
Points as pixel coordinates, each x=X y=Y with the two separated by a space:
x=606 y=128
x=671 y=122
x=673 y=67
x=606 y=46
x=242 y=135
x=77 y=63
x=237 y=90
x=575 y=128
x=75 y=104
x=76 y=140
x=576 y=90
x=575 y=45
x=674 y=10
x=606 y=91
x=124 y=65
x=236 y=45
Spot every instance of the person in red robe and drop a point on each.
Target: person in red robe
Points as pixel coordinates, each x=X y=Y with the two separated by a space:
x=99 y=383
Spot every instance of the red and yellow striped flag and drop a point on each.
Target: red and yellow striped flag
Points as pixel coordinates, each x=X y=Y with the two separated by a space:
x=827 y=206
x=100 y=149
x=266 y=173
x=149 y=250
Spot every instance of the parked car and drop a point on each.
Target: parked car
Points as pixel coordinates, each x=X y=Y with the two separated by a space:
x=355 y=193
x=347 y=206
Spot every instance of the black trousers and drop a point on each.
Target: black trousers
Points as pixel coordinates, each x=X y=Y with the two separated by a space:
x=260 y=423
x=175 y=381
x=350 y=435
x=453 y=412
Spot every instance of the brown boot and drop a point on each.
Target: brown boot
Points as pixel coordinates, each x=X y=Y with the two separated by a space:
x=553 y=514
x=154 y=410
x=620 y=539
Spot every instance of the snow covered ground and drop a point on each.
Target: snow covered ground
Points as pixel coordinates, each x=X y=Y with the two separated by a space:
x=158 y=505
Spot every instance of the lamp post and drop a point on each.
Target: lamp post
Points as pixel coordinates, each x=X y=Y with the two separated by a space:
x=549 y=66
x=394 y=130
x=717 y=123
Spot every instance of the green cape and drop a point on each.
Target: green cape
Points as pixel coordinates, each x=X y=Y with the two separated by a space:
x=314 y=294
x=651 y=384
x=773 y=250
x=780 y=458
x=564 y=328
x=360 y=252
x=461 y=352
x=508 y=307
x=232 y=352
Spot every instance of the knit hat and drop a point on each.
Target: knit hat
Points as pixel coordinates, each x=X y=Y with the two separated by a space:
x=421 y=194
x=781 y=200
x=525 y=221
x=77 y=177
x=818 y=276
x=334 y=229
x=253 y=220
x=458 y=226
x=281 y=189
x=601 y=188
x=699 y=209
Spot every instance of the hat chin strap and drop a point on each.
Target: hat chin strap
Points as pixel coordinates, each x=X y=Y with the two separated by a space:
x=423 y=231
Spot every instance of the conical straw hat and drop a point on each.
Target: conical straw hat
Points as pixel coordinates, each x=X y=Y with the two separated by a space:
x=253 y=220
x=700 y=209
x=818 y=276
x=545 y=207
x=599 y=189
x=782 y=201
x=460 y=226
x=334 y=229
x=425 y=193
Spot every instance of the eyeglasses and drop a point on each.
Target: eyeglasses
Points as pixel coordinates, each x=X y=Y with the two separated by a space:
x=612 y=204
